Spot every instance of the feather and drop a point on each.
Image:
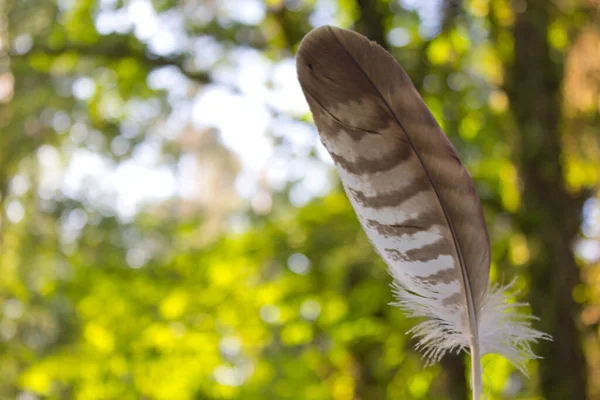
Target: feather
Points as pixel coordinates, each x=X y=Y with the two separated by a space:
x=413 y=197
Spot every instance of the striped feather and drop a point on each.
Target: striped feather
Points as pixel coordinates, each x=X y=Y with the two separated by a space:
x=412 y=195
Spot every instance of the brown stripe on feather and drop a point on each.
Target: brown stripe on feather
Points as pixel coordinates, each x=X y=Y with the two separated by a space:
x=398 y=256
x=421 y=223
x=395 y=255
x=330 y=126
x=457 y=299
x=372 y=165
x=444 y=276
x=394 y=198
x=430 y=251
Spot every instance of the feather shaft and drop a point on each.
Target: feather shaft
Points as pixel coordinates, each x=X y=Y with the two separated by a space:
x=476 y=381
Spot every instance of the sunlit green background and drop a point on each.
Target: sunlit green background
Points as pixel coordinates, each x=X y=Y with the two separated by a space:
x=171 y=227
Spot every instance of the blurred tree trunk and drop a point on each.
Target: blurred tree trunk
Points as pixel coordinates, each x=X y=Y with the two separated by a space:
x=455 y=381
x=370 y=22
x=550 y=215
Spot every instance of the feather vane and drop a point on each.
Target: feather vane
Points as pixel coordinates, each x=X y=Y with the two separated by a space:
x=413 y=197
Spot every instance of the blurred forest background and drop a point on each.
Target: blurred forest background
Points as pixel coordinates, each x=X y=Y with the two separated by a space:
x=171 y=227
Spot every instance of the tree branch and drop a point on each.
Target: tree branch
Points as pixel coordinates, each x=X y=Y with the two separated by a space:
x=119 y=50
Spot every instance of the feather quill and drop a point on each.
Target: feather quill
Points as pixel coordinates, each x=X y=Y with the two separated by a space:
x=413 y=197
